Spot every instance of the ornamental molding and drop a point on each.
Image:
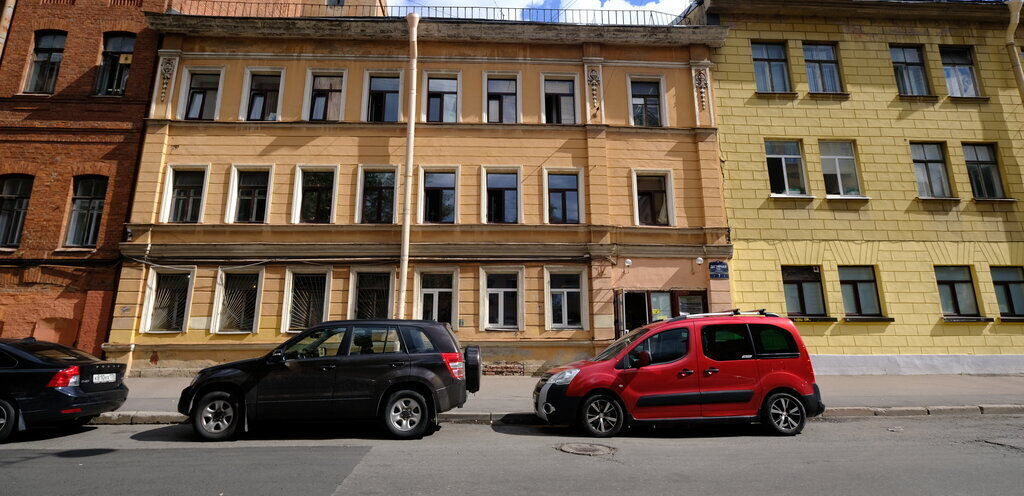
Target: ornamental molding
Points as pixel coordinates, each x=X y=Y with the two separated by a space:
x=167 y=67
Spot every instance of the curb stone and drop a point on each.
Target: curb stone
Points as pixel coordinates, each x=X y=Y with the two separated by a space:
x=849 y=411
x=904 y=411
x=954 y=410
x=1002 y=409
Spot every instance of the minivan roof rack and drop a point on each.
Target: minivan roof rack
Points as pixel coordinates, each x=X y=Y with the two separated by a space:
x=728 y=313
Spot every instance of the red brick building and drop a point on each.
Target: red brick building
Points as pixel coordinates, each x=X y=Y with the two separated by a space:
x=76 y=78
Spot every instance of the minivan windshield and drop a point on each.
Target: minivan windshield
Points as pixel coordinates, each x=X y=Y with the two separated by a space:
x=620 y=344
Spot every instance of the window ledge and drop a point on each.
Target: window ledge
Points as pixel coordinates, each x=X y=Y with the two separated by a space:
x=34 y=95
x=919 y=98
x=869 y=319
x=995 y=200
x=847 y=197
x=1012 y=319
x=74 y=250
x=969 y=99
x=791 y=197
x=954 y=320
x=163 y=332
x=840 y=95
x=8 y=250
x=939 y=199
x=106 y=96
x=796 y=318
x=777 y=95
x=234 y=333
x=501 y=329
x=565 y=329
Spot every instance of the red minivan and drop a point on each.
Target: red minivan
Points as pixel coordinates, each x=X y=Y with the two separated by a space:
x=742 y=366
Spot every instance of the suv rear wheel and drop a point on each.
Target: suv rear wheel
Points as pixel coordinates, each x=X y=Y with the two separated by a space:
x=407 y=414
x=8 y=418
x=601 y=415
x=216 y=416
x=784 y=414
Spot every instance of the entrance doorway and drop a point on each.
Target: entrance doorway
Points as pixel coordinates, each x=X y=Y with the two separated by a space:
x=643 y=307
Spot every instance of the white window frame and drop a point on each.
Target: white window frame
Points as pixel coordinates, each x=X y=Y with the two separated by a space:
x=560 y=76
x=353 y=280
x=150 y=294
x=308 y=92
x=417 y=306
x=442 y=74
x=670 y=194
x=367 y=74
x=232 y=204
x=584 y=298
x=300 y=169
x=519 y=94
x=423 y=170
x=243 y=107
x=218 y=298
x=660 y=79
x=785 y=177
x=186 y=78
x=580 y=192
x=168 y=196
x=856 y=168
x=518 y=170
x=359 y=191
x=286 y=314
x=520 y=293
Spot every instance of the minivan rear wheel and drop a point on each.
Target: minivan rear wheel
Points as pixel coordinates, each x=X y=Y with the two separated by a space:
x=407 y=415
x=601 y=415
x=784 y=414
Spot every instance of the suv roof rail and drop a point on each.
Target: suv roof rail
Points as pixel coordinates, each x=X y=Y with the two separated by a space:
x=728 y=313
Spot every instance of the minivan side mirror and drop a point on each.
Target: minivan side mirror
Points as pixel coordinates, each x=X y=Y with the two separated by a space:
x=276 y=356
x=643 y=359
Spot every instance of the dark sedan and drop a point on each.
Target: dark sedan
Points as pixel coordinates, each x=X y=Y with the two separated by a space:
x=43 y=384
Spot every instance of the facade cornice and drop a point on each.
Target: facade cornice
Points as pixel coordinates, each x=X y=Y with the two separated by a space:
x=952 y=12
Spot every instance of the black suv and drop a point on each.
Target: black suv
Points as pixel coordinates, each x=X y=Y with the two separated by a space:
x=403 y=372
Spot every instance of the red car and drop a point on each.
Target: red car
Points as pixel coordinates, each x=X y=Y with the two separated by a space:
x=742 y=366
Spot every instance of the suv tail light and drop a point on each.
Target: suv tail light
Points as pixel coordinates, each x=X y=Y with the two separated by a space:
x=65 y=378
x=455 y=364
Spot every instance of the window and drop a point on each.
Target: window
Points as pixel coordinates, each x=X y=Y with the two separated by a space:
x=238 y=303
x=442 y=100
x=566 y=301
x=502 y=197
x=559 y=102
x=382 y=105
x=7 y=361
x=439 y=197
x=186 y=195
x=417 y=341
x=822 y=68
x=15 y=190
x=771 y=72
x=956 y=291
x=436 y=296
x=202 y=97
x=308 y=295
x=652 y=200
x=909 y=67
x=860 y=291
x=983 y=171
x=840 y=168
x=252 y=196
x=664 y=347
x=930 y=170
x=1009 y=283
x=563 y=198
x=802 y=285
x=263 y=95
x=316 y=205
x=501 y=101
x=317 y=344
x=86 y=211
x=727 y=342
x=371 y=340
x=170 y=303
x=502 y=300
x=773 y=342
x=373 y=294
x=646 y=100
x=115 y=63
x=785 y=167
x=325 y=98
x=378 y=197
x=46 y=59
x=958 y=67
x=640 y=308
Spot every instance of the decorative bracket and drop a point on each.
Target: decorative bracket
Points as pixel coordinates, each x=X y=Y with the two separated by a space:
x=594 y=81
x=700 y=82
x=167 y=67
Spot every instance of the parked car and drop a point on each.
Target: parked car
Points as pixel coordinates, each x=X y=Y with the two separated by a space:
x=729 y=366
x=44 y=384
x=402 y=372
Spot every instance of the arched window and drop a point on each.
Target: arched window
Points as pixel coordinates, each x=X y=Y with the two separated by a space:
x=14 y=193
x=117 y=59
x=86 y=211
x=46 y=58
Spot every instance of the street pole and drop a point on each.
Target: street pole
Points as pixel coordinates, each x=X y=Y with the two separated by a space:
x=1011 y=45
x=410 y=135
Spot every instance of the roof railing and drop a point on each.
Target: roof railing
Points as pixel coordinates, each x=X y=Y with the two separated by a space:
x=728 y=313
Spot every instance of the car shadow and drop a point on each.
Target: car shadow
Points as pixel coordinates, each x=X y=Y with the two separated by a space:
x=183 y=433
x=695 y=431
x=47 y=433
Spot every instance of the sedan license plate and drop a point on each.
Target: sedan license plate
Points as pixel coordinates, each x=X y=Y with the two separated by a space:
x=102 y=378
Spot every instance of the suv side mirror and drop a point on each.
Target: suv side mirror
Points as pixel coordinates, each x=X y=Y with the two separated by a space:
x=276 y=356
x=643 y=359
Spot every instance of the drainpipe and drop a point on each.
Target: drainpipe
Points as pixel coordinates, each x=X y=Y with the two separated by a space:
x=410 y=146
x=1011 y=45
x=5 y=24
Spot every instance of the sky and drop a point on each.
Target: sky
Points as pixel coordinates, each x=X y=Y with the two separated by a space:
x=674 y=7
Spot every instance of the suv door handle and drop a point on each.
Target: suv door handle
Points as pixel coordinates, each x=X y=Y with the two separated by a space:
x=710 y=371
x=327 y=367
x=685 y=373
x=396 y=365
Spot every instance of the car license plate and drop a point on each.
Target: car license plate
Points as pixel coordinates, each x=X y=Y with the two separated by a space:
x=102 y=378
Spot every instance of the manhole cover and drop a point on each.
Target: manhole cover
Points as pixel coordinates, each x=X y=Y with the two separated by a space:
x=586 y=449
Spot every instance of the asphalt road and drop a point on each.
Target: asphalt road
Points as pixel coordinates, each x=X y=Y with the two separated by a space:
x=857 y=456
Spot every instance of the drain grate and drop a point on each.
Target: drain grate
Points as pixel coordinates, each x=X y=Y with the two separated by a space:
x=586 y=449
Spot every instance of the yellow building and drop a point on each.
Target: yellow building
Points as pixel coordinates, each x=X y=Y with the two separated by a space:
x=566 y=183
x=872 y=175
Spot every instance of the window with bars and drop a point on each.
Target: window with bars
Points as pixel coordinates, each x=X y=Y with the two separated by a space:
x=439 y=197
x=956 y=291
x=501 y=101
x=46 y=59
x=860 y=291
x=383 y=99
x=170 y=300
x=238 y=309
x=1009 y=284
x=566 y=301
x=186 y=195
x=502 y=301
x=652 y=200
x=563 y=199
x=437 y=296
x=263 y=95
x=958 y=68
x=802 y=286
x=930 y=170
x=822 y=68
x=502 y=197
x=317 y=200
x=373 y=291
x=307 y=301
x=86 y=211
x=442 y=100
x=325 y=99
x=839 y=167
x=771 y=70
x=15 y=190
x=251 y=197
x=785 y=167
x=202 y=96
x=559 y=101
x=645 y=98
x=908 y=65
x=983 y=171
x=378 y=197
x=115 y=63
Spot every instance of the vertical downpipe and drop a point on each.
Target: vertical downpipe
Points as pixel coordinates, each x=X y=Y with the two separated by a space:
x=410 y=146
x=1011 y=45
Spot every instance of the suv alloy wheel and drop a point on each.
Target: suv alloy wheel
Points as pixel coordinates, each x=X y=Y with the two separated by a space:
x=216 y=416
x=407 y=415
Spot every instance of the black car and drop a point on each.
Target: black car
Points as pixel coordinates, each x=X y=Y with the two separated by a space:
x=402 y=372
x=44 y=384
